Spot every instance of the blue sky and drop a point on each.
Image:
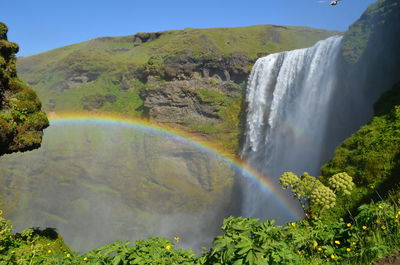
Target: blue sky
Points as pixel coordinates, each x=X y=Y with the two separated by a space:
x=41 y=25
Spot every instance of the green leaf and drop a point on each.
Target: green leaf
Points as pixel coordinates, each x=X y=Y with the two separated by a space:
x=238 y=262
x=116 y=260
x=244 y=250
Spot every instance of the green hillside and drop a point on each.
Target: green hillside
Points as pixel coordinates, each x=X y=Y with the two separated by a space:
x=350 y=233
x=120 y=65
x=135 y=75
x=379 y=20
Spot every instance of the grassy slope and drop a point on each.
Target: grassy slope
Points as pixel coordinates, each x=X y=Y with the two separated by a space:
x=112 y=57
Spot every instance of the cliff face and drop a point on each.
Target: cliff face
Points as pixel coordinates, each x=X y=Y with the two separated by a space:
x=193 y=78
x=378 y=24
x=371 y=62
x=371 y=47
x=21 y=120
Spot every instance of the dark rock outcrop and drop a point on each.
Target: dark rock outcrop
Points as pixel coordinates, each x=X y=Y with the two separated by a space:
x=96 y=101
x=181 y=101
x=143 y=37
x=21 y=120
x=236 y=67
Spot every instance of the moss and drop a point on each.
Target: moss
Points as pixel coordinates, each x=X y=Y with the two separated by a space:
x=214 y=96
x=371 y=155
x=8 y=49
x=226 y=132
x=6 y=131
x=21 y=119
x=3 y=31
x=36 y=121
x=27 y=140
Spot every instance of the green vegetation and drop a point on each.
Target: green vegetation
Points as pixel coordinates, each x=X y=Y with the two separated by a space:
x=371 y=155
x=21 y=120
x=370 y=232
x=342 y=226
x=110 y=74
x=370 y=235
x=382 y=16
x=226 y=132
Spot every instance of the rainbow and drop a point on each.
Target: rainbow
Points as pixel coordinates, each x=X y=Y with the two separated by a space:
x=168 y=131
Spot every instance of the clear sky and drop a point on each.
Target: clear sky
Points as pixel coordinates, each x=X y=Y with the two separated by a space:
x=41 y=25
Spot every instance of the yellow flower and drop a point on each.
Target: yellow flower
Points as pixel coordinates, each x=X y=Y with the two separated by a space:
x=84 y=259
x=337 y=242
x=48 y=244
x=319 y=249
x=293 y=224
x=380 y=207
x=333 y=256
x=378 y=221
x=49 y=251
x=364 y=227
x=68 y=255
x=353 y=244
x=348 y=249
x=349 y=225
x=383 y=227
x=168 y=247
x=1 y=212
x=398 y=212
x=176 y=238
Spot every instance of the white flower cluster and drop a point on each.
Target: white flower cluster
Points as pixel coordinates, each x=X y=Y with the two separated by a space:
x=342 y=182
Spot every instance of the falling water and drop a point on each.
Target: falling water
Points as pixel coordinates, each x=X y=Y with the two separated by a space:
x=288 y=107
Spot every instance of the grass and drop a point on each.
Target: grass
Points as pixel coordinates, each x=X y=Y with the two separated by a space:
x=116 y=65
x=114 y=56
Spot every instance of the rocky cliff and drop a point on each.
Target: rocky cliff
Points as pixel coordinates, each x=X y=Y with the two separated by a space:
x=193 y=78
x=21 y=120
x=371 y=47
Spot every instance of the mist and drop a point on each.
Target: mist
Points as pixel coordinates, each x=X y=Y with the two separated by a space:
x=99 y=183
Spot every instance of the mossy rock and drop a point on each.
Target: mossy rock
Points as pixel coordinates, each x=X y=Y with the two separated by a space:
x=21 y=119
x=3 y=31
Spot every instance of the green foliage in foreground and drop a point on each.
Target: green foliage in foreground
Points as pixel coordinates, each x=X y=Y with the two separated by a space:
x=372 y=234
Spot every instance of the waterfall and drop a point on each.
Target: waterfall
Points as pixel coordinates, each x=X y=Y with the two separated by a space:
x=288 y=108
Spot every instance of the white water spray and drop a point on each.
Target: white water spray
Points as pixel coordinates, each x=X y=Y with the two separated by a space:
x=288 y=102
